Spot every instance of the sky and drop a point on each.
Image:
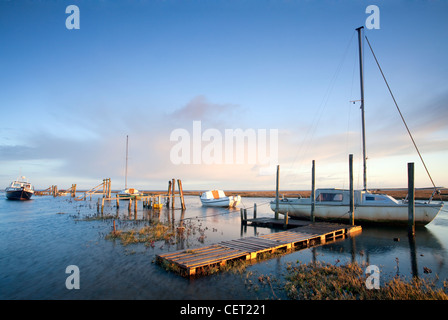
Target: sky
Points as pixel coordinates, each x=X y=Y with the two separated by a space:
x=285 y=71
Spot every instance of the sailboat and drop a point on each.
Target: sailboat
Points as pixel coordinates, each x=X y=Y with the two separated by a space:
x=334 y=204
x=128 y=193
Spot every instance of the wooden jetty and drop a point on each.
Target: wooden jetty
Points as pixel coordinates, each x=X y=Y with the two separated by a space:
x=190 y=262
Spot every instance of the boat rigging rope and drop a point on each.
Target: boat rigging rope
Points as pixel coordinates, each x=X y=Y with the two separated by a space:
x=401 y=115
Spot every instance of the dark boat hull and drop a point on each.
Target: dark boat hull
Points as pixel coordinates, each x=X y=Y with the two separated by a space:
x=18 y=195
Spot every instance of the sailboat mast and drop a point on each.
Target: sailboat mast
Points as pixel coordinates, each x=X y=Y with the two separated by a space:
x=126 y=171
x=361 y=75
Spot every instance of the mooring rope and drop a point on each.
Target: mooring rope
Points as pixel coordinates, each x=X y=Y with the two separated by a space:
x=401 y=115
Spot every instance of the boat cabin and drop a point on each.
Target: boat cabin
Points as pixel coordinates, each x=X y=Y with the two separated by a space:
x=342 y=197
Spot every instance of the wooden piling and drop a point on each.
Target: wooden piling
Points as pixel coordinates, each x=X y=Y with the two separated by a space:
x=411 y=199
x=102 y=206
x=285 y=223
x=352 y=202
x=118 y=201
x=181 y=193
x=255 y=211
x=276 y=192
x=169 y=194
x=313 y=191
x=172 y=192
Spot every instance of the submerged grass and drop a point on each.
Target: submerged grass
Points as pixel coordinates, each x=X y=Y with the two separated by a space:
x=324 y=281
x=148 y=235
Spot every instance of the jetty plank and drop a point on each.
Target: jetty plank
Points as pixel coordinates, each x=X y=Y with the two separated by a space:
x=189 y=261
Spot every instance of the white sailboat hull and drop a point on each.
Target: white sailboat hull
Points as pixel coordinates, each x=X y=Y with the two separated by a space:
x=391 y=215
x=382 y=209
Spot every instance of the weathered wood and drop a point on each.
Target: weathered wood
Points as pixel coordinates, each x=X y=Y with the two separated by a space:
x=313 y=191
x=411 y=199
x=188 y=261
x=276 y=191
x=352 y=201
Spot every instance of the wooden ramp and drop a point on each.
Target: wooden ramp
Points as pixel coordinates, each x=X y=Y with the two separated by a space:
x=189 y=262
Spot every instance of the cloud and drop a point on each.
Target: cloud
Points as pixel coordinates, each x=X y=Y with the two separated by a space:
x=199 y=108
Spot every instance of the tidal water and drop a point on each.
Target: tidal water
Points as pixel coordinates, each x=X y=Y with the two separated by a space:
x=41 y=237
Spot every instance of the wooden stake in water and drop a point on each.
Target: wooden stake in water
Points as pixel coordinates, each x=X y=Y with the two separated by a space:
x=276 y=192
x=352 y=202
x=313 y=191
x=411 y=199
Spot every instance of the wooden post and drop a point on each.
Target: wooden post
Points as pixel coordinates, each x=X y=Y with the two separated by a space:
x=172 y=192
x=352 y=200
x=130 y=205
x=115 y=230
x=276 y=192
x=102 y=206
x=182 y=202
x=135 y=205
x=118 y=201
x=104 y=187
x=169 y=194
x=285 y=223
x=242 y=215
x=255 y=211
x=313 y=191
x=411 y=199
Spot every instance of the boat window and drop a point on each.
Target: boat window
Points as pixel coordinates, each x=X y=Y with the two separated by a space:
x=373 y=198
x=329 y=197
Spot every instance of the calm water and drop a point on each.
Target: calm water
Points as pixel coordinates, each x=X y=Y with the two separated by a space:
x=41 y=237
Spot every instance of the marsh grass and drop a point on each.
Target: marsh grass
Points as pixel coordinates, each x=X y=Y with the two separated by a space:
x=324 y=281
x=148 y=235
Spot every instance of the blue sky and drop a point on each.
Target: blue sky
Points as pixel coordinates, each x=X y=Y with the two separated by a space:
x=68 y=98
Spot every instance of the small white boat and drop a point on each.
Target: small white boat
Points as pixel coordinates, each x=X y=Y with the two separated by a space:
x=217 y=198
x=334 y=204
x=130 y=193
x=20 y=189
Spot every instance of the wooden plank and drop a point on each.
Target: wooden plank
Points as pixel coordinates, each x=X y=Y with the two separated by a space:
x=250 y=247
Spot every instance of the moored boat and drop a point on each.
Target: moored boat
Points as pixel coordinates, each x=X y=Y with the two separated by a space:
x=20 y=189
x=130 y=193
x=334 y=204
x=217 y=198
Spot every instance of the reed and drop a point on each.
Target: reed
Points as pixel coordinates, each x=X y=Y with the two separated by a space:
x=324 y=281
x=148 y=235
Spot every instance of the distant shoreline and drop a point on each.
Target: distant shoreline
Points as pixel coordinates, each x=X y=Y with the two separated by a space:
x=397 y=193
x=420 y=194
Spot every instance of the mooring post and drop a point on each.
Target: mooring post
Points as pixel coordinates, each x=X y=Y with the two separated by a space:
x=169 y=194
x=173 y=181
x=285 y=223
x=102 y=206
x=313 y=190
x=242 y=215
x=276 y=192
x=411 y=199
x=181 y=193
x=255 y=211
x=352 y=202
